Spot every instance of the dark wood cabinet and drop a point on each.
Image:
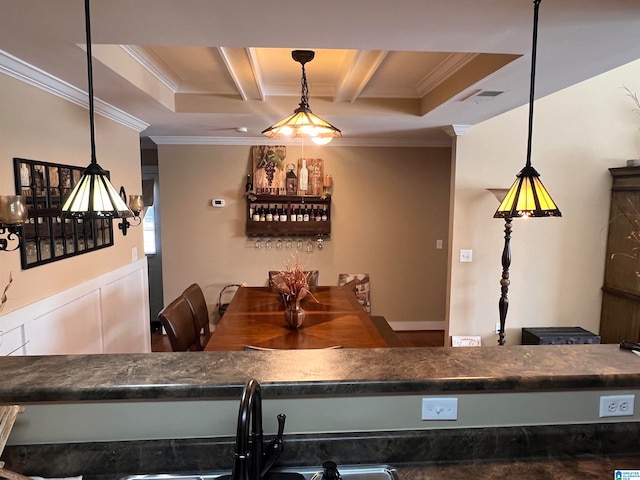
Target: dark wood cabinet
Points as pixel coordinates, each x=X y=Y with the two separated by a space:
x=288 y=206
x=620 y=316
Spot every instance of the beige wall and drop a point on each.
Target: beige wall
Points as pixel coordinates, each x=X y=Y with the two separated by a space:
x=40 y=126
x=390 y=205
x=557 y=263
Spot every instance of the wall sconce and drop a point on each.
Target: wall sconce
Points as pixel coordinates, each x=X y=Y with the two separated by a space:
x=136 y=204
x=13 y=214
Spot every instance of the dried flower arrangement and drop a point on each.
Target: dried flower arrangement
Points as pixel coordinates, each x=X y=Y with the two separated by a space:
x=634 y=235
x=3 y=298
x=633 y=97
x=293 y=282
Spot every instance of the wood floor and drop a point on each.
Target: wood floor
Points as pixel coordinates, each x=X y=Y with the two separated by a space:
x=422 y=338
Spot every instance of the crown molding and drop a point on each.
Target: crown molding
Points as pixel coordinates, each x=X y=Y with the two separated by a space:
x=342 y=142
x=456 y=130
x=24 y=72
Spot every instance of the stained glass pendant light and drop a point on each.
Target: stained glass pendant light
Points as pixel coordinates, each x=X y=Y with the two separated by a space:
x=303 y=122
x=528 y=197
x=94 y=196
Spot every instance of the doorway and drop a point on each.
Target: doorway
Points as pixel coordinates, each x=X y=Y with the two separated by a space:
x=152 y=243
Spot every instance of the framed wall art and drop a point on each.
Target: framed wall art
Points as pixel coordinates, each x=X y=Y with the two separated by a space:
x=47 y=236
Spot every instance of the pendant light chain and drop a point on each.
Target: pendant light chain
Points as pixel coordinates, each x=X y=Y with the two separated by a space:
x=304 y=99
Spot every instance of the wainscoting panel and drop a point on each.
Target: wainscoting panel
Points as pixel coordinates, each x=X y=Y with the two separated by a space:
x=72 y=328
x=106 y=314
x=125 y=329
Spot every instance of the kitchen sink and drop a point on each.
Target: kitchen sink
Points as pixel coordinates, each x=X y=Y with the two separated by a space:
x=347 y=472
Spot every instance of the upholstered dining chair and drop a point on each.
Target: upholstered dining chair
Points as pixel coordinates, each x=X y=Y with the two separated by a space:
x=313 y=277
x=195 y=298
x=177 y=320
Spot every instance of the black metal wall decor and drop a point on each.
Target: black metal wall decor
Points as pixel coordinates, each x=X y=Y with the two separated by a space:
x=47 y=236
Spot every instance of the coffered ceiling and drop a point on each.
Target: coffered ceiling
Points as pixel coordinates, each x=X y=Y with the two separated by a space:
x=385 y=73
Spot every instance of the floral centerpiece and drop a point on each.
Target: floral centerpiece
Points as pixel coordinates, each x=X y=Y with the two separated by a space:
x=293 y=284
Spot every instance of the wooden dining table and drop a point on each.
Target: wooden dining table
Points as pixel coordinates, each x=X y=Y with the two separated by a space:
x=255 y=318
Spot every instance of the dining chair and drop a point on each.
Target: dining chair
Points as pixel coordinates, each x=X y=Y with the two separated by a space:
x=177 y=320
x=313 y=277
x=361 y=286
x=195 y=298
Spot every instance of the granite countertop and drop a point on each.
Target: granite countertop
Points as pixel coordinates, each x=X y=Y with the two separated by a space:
x=317 y=372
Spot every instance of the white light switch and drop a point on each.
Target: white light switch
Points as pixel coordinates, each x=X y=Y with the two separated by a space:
x=439 y=244
x=466 y=255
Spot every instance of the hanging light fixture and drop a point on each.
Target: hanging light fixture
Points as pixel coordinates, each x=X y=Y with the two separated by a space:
x=94 y=196
x=303 y=122
x=527 y=197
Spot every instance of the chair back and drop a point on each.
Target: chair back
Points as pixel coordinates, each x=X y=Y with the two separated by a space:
x=195 y=298
x=313 y=277
x=177 y=320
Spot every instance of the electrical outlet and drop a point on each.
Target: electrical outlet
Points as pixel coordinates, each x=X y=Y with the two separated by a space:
x=439 y=409
x=497 y=328
x=466 y=255
x=616 y=405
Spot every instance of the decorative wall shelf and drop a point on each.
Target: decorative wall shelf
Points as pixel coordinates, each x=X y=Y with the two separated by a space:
x=288 y=205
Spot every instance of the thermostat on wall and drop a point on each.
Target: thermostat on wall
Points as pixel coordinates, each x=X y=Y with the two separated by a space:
x=217 y=202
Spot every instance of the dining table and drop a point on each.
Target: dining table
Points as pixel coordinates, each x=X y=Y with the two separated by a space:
x=333 y=319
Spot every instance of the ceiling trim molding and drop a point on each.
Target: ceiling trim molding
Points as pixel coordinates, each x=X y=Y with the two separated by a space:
x=151 y=65
x=446 y=68
x=353 y=81
x=456 y=130
x=24 y=72
x=342 y=142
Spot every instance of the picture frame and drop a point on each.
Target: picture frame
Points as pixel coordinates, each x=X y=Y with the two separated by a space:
x=47 y=236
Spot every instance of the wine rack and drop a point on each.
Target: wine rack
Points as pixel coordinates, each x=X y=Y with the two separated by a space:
x=288 y=204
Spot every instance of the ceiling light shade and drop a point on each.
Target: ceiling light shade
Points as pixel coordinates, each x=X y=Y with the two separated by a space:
x=303 y=122
x=528 y=197
x=93 y=196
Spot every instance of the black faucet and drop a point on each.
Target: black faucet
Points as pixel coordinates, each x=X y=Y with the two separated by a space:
x=250 y=461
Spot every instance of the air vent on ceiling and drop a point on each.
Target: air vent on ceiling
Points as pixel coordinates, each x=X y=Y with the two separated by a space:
x=482 y=96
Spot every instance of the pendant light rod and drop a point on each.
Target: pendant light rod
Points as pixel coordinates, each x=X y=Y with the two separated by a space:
x=93 y=196
x=87 y=22
x=534 y=50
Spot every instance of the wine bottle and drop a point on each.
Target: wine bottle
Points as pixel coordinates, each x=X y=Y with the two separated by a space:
x=263 y=215
x=256 y=214
x=276 y=214
x=312 y=214
x=269 y=214
x=305 y=214
x=300 y=216
x=283 y=214
x=325 y=216
x=293 y=213
x=303 y=178
x=318 y=214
